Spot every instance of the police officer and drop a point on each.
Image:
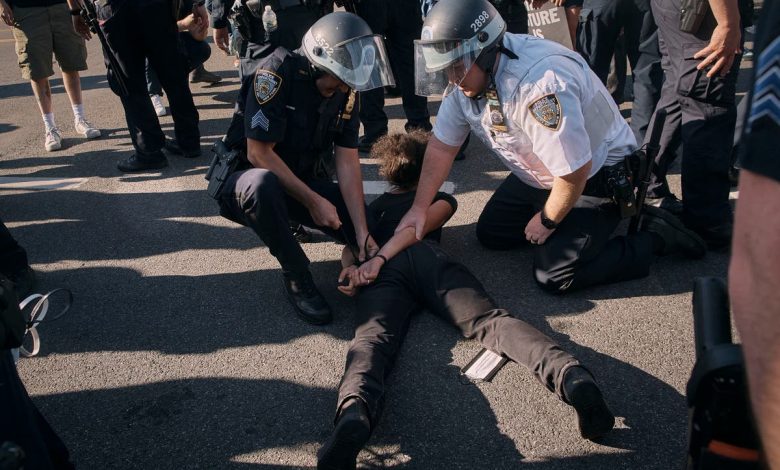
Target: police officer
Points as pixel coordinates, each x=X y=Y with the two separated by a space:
x=601 y=22
x=298 y=107
x=698 y=95
x=137 y=30
x=399 y=22
x=540 y=108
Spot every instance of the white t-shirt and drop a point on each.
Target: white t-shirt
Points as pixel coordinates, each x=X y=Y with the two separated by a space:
x=558 y=113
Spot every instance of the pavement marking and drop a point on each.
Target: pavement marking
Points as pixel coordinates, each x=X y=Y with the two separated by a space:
x=379 y=187
x=29 y=182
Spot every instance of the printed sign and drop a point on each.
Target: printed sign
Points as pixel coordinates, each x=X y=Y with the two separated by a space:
x=549 y=22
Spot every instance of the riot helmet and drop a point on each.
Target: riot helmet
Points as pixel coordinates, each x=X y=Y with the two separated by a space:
x=456 y=35
x=343 y=45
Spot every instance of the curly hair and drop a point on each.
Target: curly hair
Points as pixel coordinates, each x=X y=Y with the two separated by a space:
x=401 y=157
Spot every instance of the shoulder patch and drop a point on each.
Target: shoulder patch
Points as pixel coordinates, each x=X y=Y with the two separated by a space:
x=547 y=110
x=267 y=84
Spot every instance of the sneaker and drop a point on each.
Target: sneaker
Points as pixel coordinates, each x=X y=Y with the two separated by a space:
x=351 y=434
x=159 y=106
x=201 y=75
x=309 y=303
x=676 y=237
x=53 y=139
x=594 y=419
x=86 y=128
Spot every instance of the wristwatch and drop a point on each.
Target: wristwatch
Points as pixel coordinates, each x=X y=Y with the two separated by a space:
x=547 y=222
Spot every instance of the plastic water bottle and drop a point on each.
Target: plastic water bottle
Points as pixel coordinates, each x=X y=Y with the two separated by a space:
x=269 y=20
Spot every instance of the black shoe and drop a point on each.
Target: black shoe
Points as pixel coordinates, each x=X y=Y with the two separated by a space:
x=676 y=238
x=594 y=419
x=23 y=282
x=717 y=237
x=392 y=92
x=366 y=142
x=300 y=233
x=173 y=147
x=307 y=300
x=424 y=126
x=353 y=429
x=668 y=203
x=133 y=164
x=200 y=74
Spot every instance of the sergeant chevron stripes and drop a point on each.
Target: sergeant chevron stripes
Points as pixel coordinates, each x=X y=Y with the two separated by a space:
x=260 y=119
x=766 y=92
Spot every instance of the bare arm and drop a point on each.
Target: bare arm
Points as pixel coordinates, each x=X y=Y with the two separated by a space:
x=351 y=186
x=754 y=277
x=437 y=215
x=261 y=155
x=564 y=194
x=436 y=166
x=725 y=39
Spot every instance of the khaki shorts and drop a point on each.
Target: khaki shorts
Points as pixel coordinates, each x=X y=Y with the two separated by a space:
x=41 y=31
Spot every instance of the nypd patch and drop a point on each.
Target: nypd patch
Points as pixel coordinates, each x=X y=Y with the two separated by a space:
x=267 y=84
x=547 y=110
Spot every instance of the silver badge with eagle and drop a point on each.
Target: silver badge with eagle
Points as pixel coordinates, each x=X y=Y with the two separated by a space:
x=547 y=110
x=267 y=84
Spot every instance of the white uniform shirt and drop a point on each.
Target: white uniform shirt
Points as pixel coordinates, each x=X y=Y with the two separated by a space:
x=542 y=142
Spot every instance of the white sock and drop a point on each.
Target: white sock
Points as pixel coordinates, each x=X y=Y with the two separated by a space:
x=78 y=111
x=48 y=121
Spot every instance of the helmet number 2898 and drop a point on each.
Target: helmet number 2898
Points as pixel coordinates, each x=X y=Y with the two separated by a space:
x=480 y=21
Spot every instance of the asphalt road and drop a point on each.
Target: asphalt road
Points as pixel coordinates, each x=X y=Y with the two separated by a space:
x=181 y=351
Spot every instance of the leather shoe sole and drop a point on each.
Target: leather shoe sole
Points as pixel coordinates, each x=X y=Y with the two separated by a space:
x=342 y=448
x=677 y=237
x=133 y=164
x=594 y=419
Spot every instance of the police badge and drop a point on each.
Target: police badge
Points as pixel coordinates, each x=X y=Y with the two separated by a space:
x=547 y=110
x=267 y=84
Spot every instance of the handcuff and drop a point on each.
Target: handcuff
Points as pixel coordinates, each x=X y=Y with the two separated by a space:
x=356 y=256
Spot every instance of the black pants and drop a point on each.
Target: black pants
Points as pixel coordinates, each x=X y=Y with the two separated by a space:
x=601 y=22
x=195 y=52
x=424 y=277
x=138 y=30
x=580 y=253
x=400 y=23
x=24 y=425
x=13 y=258
x=255 y=198
x=701 y=115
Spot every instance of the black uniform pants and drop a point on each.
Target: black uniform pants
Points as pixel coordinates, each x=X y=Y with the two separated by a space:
x=13 y=258
x=424 y=277
x=400 y=23
x=196 y=53
x=24 y=425
x=701 y=116
x=580 y=253
x=138 y=30
x=255 y=198
x=601 y=22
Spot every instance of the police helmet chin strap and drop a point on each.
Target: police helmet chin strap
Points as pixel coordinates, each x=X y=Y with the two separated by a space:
x=487 y=62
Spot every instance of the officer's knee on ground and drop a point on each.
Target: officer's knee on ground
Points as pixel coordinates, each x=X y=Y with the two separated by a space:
x=553 y=281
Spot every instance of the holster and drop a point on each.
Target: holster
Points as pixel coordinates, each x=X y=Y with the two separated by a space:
x=222 y=166
x=620 y=184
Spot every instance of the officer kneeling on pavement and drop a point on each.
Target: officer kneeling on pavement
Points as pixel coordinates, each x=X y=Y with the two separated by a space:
x=301 y=118
x=545 y=114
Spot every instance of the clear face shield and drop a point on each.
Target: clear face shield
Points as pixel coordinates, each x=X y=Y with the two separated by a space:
x=439 y=67
x=361 y=63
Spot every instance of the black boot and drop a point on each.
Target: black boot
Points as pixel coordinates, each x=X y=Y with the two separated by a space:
x=676 y=237
x=135 y=164
x=353 y=428
x=594 y=419
x=307 y=300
